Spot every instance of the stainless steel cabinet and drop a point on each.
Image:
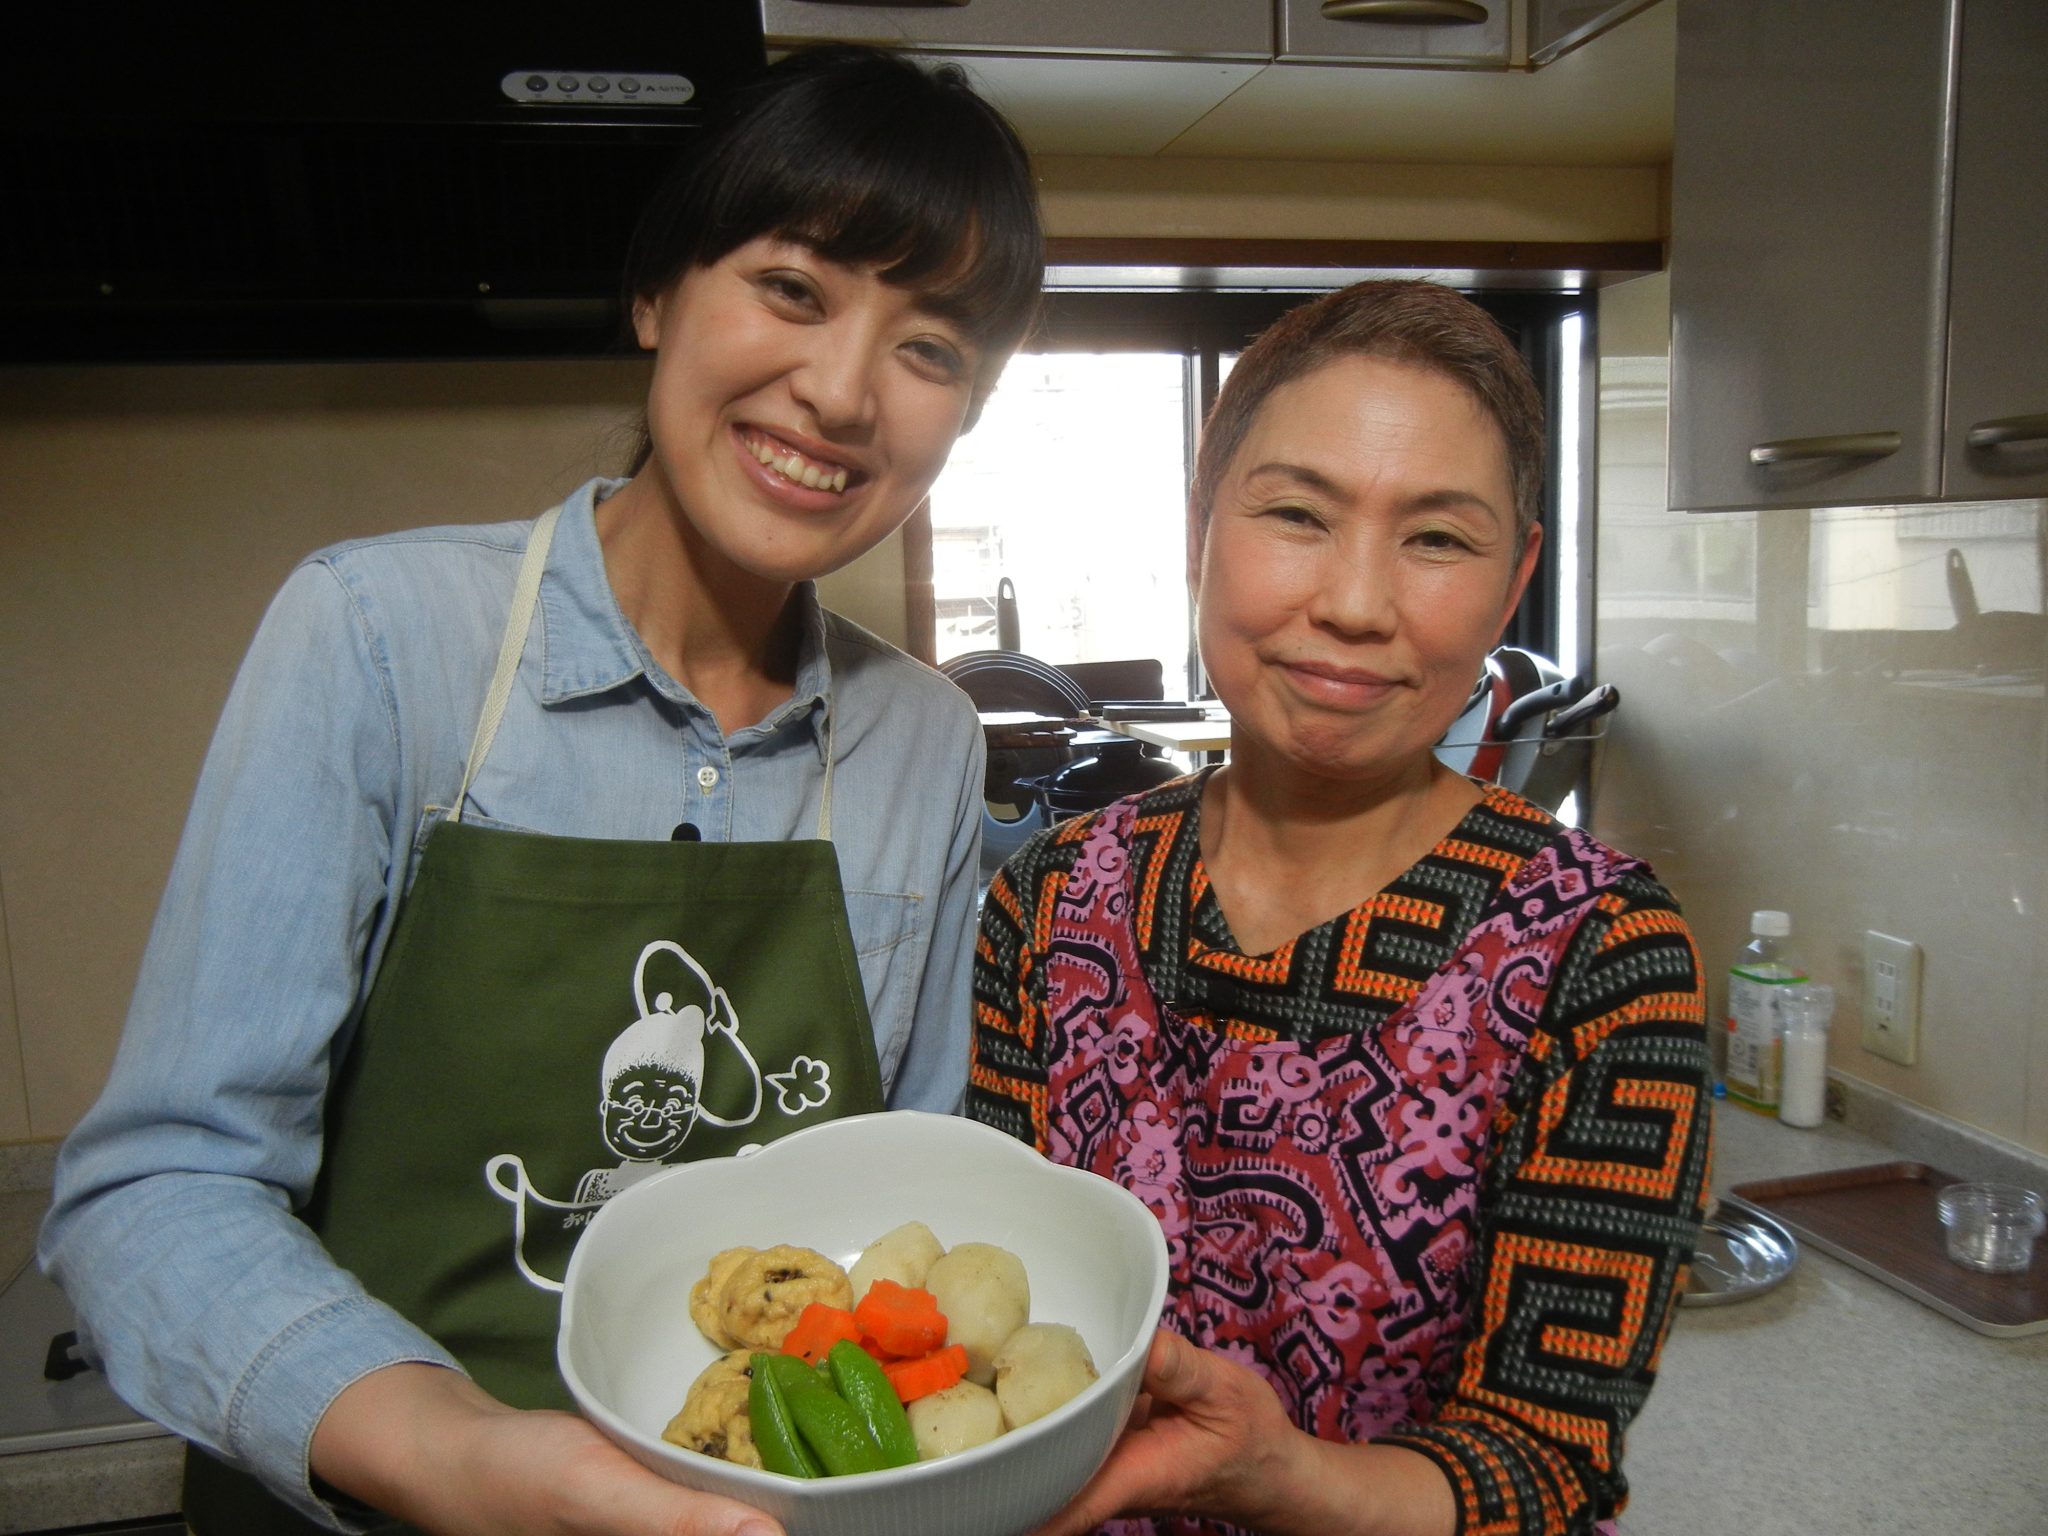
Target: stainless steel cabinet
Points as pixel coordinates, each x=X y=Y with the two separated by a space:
x=1187 y=29
x=1454 y=34
x=1858 y=253
x=1809 y=209
x=1996 y=444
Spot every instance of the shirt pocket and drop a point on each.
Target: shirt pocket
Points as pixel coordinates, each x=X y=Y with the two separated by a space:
x=891 y=932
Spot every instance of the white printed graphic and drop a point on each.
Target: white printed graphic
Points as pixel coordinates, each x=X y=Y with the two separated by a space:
x=651 y=1098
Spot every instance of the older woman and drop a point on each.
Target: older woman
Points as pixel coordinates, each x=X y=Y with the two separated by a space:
x=1413 y=1075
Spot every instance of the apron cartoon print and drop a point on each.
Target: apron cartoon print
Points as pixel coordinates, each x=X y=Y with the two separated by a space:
x=654 y=1091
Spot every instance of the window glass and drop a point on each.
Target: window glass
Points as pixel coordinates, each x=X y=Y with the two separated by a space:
x=1071 y=486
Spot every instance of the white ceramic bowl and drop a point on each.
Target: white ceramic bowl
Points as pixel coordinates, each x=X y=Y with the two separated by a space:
x=1094 y=1254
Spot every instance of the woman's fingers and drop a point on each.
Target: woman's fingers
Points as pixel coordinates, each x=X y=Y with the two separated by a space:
x=1213 y=1429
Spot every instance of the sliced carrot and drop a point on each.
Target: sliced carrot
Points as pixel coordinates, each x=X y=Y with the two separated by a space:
x=930 y=1373
x=873 y=1347
x=818 y=1328
x=904 y=1321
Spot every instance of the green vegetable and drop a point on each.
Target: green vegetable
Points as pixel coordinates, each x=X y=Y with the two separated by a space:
x=860 y=1381
x=782 y=1448
x=829 y=1424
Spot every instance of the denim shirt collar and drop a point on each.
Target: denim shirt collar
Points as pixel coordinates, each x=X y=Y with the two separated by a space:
x=589 y=647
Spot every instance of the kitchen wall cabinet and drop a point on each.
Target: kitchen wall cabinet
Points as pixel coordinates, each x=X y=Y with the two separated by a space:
x=1460 y=34
x=1995 y=443
x=1558 y=26
x=1187 y=29
x=1451 y=34
x=1842 y=193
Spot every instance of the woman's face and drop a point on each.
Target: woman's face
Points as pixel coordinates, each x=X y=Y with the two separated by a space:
x=800 y=409
x=1359 y=563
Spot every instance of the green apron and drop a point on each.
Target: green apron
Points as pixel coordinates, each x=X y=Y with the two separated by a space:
x=553 y=1019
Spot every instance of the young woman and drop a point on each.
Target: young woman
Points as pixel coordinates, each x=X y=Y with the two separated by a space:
x=533 y=857
x=1414 y=1076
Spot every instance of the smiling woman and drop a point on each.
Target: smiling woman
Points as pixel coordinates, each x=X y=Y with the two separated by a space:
x=1407 y=1069
x=514 y=873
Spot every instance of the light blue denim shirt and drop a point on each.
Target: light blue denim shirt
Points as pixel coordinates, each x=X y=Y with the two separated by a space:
x=214 y=1309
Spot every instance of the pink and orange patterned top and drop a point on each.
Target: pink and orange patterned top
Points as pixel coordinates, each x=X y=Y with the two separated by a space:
x=1434 y=1168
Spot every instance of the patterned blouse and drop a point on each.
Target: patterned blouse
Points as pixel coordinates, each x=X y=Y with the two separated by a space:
x=1434 y=1168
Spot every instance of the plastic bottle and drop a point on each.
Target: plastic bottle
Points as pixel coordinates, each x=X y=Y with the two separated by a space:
x=1804 y=1012
x=1765 y=965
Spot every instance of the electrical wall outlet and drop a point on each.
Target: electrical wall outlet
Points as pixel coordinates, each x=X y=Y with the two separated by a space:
x=1891 y=998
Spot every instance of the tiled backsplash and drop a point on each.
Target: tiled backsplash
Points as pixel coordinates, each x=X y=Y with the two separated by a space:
x=1807 y=723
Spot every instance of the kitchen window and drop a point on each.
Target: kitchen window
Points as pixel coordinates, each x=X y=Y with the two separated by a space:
x=1073 y=485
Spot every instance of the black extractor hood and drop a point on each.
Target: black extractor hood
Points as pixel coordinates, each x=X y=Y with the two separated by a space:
x=232 y=182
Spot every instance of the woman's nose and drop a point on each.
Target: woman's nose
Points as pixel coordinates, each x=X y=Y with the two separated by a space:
x=837 y=379
x=1354 y=592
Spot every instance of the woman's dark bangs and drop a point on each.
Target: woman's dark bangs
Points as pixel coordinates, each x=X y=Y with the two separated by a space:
x=953 y=226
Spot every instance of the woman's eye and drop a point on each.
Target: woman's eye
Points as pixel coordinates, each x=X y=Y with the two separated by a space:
x=937 y=358
x=1441 y=541
x=790 y=290
x=1300 y=517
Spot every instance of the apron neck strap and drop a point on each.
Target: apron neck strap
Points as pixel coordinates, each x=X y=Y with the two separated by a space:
x=518 y=620
x=525 y=596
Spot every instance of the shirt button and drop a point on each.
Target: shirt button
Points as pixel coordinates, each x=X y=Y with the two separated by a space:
x=707 y=777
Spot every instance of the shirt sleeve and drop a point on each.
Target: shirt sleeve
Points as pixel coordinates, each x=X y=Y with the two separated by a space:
x=1006 y=1085
x=1590 y=1212
x=215 y=1310
x=933 y=1072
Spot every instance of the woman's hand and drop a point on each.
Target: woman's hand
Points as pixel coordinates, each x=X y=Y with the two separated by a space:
x=1214 y=1441
x=430 y=1447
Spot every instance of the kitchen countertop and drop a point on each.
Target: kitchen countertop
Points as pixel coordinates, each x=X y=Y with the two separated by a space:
x=1830 y=1404
x=42 y=1490
x=1834 y=1403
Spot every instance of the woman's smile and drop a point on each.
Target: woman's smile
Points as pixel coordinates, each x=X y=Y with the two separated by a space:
x=1338 y=686
x=793 y=467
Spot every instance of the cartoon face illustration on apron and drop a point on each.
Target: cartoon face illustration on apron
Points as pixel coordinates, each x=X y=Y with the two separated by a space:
x=555 y=1018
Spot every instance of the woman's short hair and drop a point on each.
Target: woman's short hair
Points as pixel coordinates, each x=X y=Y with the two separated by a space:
x=1409 y=321
x=869 y=159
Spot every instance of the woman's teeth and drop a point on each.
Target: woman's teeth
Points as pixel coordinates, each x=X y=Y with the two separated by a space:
x=791 y=466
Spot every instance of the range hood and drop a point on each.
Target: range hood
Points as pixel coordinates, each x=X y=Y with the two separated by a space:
x=238 y=182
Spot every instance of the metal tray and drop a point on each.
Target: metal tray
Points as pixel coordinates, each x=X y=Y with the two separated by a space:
x=1880 y=1219
x=1741 y=1253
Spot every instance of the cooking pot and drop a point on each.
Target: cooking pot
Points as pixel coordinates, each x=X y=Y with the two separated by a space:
x=1115 y=766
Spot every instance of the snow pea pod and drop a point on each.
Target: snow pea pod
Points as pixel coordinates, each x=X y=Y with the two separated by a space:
x=860 y=1381
x=776 y=1437
x=829 y=1425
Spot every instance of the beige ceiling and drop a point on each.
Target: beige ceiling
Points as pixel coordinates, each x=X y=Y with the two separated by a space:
x=1607 y=103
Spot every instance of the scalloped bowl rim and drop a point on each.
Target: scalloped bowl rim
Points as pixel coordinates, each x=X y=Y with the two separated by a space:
x=735 y=1480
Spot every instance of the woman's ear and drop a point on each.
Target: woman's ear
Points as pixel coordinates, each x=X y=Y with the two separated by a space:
x=1525 y=568
x=647 y=322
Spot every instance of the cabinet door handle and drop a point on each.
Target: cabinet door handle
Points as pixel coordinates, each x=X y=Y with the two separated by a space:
x=1407 y=13
x=1836 y=445
x=894 y=5
x=2009 y=429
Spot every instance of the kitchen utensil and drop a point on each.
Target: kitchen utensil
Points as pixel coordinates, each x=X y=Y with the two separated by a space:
x=1523 y=727
x=1095 y=1256
x=1008 y=635
x=1115 y=766
x=1741 y=1253
x=1008 y=680
x=1991 y=1227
